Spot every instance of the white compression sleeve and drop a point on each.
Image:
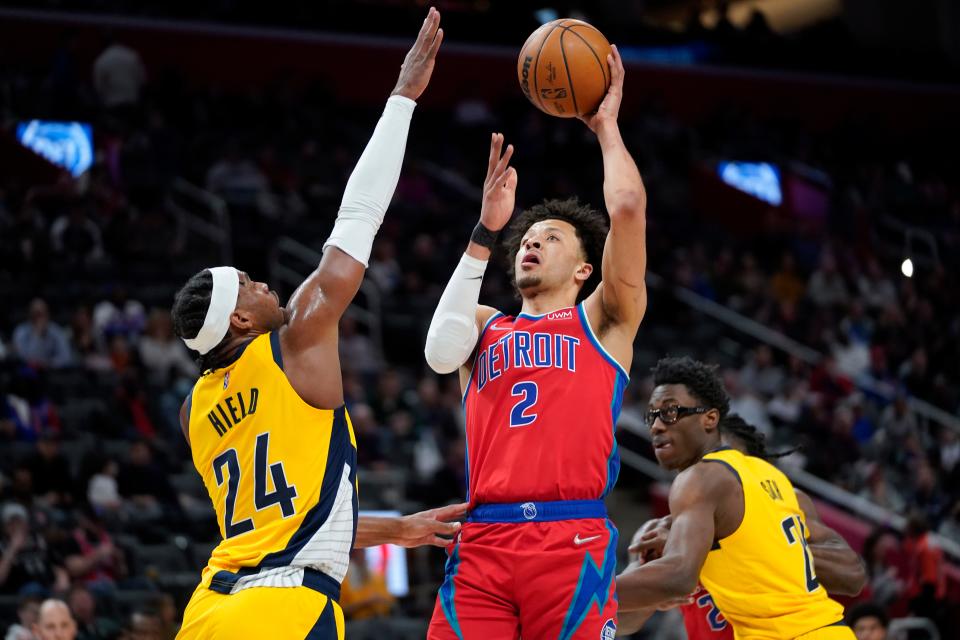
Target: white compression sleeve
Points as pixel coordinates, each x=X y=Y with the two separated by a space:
x=372 y=183
x=453 y=331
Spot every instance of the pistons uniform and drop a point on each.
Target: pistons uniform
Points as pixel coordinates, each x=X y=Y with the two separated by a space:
x=703 y=620
x=536 y=557
x=282 y=478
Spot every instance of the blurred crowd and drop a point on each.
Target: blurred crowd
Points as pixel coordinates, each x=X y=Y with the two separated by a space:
x=99 y=497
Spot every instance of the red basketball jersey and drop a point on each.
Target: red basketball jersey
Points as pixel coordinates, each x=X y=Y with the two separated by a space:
x=703 y=620
x=541 y=404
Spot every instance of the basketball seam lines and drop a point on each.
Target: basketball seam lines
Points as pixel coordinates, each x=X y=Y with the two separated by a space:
x=536 y=64
x=596 y=57
x=573 y=94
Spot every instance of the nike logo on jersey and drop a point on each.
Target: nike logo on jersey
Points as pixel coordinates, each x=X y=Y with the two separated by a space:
x=577 y=540
x=500 y=328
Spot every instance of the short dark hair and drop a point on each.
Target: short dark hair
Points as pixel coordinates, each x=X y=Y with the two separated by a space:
x=189 y=310
x=867 y=610
x=701 y=380
x=591 y=227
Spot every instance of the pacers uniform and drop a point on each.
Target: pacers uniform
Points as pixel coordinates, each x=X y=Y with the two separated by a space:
x=537 y=554
x=282 y=478
x=762 y=576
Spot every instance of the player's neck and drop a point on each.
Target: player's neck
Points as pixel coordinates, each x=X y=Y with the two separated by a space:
x=547 y=301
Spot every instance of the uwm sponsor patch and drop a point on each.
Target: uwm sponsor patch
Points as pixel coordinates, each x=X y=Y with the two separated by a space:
x=566 y=314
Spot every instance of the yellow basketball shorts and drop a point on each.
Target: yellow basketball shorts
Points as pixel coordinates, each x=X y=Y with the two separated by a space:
x=833 y=632
x=262 y=612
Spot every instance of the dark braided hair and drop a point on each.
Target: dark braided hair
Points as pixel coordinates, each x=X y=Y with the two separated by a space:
x=699 y=378
x=590 y=225
x=754 y=442
x=189 y=310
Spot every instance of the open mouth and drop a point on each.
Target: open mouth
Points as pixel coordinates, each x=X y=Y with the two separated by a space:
x=530 y=258
x=662 y=446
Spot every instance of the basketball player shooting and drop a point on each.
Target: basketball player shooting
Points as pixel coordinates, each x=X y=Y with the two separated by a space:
x=542 y=394
x=267 y=425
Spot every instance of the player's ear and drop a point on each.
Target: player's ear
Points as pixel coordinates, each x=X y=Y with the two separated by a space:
x=241 y=320
x=711 y=420
x=583 y=272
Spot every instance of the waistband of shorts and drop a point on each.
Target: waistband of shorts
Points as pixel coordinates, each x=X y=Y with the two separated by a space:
x=321 y=582
x=538 y=511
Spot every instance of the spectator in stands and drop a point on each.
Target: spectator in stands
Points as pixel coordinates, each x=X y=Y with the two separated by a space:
x=926 y=576
x=165 y=609
x=87 y=348
x=237 y=179
x=826 y=287
x=40 y=342
x=868 y=621
x=90 y=626
x=75 y=238
x=164 y=356
x=786 y=285
x=119 y=315
x=880 y=553
x=144 y=485
x=358 y=353
x=26 y=564
x=761 y=374
x=52 y=482
x=28 y=610
x=90 y=555
x=370 y=440
x=103 y=493
x=55 y=622
x=118 y=75
x=876 y=290
x=144 y=624
x=364 y=593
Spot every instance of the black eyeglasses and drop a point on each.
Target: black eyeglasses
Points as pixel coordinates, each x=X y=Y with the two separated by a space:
x=669 y=415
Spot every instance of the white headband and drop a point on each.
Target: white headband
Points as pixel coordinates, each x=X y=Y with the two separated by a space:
x=223 y=300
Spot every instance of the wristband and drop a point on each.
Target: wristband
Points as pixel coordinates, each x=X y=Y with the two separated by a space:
x=483 y=236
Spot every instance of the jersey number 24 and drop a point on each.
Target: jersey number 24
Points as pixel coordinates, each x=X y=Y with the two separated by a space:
x=282 y=494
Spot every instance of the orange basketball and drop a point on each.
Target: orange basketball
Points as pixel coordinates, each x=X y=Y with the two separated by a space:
x=563 y=68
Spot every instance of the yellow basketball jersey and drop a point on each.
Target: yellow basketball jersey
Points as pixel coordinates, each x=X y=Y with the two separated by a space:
x=762 y=576
x=280 y=473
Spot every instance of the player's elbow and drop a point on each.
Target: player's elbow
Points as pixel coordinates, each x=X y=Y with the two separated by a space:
x=450 y=341
x=627 y=203
x=438 y=363
x=680 y=584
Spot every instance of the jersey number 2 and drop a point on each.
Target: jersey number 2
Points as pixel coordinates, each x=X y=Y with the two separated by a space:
x=282 y=494
x=795 y=531
x=518 y=415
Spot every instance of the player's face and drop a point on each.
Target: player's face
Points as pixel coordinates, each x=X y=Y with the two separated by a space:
x=869 y=628
x=261 y=304
x=550 y=256
x=682 y=443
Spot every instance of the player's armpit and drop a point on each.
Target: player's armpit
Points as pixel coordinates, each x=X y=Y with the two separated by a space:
x=695 y=497
x=838 y=567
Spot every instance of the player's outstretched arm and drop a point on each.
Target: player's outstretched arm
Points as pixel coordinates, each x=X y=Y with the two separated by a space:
x=320 y=301
x=838 y=567
x=623 y=293
x=694 y=499
x=458 y=320
x=643 y=549
x=432 y=527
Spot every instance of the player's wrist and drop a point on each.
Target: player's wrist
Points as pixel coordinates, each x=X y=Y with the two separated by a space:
x=484 y=236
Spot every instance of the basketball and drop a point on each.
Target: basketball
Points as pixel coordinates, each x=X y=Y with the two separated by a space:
x=563 y=68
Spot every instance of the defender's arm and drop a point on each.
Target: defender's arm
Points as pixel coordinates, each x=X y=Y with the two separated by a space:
x=838 y=567
x=695 y=496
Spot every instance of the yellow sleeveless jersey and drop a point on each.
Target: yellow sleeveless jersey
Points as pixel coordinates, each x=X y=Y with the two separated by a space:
x=762 y=576
x=280 y=473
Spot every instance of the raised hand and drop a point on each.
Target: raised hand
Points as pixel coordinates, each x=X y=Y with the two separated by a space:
x=610 y=106
x=500 y=186
x=418 y=65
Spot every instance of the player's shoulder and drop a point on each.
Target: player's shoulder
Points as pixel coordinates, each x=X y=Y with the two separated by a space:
x=705 y=480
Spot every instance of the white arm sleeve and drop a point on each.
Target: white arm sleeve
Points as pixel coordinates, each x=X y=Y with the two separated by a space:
x=372 y=183
x=453 y=331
